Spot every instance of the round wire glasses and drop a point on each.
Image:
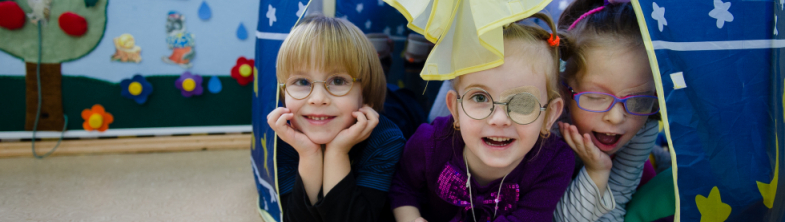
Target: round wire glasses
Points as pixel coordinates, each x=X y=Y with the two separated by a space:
x=522 y=108
x=301 y=87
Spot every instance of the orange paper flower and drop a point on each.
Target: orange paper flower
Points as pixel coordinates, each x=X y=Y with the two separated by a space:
x=96 y=118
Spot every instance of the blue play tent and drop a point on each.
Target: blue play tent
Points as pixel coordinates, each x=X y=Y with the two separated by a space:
x=718 y=70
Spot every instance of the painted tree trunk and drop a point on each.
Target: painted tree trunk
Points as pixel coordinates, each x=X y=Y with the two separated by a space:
x=51 y=118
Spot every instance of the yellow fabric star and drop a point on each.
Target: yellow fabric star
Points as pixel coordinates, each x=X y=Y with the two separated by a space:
x=264 y=148
x=256 y=84
x=467 y=33
x=769 y=190
x=712 y=209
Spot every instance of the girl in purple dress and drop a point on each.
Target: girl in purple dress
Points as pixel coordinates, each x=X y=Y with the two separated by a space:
x=494 y=158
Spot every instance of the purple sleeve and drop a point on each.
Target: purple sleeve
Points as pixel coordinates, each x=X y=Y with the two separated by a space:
x=539 y=202
x=408 y=183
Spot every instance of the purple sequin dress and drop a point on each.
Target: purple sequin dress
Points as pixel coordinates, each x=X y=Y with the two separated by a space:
x=432 y=177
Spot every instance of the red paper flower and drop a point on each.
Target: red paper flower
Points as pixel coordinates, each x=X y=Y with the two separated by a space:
x=11 y=16
x=72 y=24
x=244 y=71
x=96 y=118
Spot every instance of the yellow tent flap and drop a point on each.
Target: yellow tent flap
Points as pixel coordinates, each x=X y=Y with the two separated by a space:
x=467 y=33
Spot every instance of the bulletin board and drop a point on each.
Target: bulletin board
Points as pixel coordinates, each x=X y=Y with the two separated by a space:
x=151 y=64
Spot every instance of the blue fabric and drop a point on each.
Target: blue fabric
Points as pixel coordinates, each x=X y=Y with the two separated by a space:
x=275 y=17
x=724 y=123
x=373 y=160
x=403 y=110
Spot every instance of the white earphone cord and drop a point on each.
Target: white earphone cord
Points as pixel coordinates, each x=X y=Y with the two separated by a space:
x=469 y=187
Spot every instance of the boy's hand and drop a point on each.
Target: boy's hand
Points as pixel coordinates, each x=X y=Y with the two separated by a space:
x=367 y=118
x=420 y=219
x=277 y=119
x=598 y=164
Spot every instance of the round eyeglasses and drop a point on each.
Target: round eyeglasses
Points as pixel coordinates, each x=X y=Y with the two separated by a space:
x=336 y=85
x=522 y=108
x=639 y=105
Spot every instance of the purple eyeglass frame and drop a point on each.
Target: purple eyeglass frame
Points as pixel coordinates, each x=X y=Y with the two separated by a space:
x=622 y=100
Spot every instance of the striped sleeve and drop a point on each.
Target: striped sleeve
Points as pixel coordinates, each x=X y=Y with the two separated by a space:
x=628 y=168
x=582 y=201
x=377 y=163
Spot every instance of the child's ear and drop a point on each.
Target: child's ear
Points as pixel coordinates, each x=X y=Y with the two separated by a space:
x=452 y=103
x=555 y=107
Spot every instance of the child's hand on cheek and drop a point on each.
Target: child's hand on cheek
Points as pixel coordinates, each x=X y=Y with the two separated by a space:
x=367 y=118
x=598 y=164
x=277 y=119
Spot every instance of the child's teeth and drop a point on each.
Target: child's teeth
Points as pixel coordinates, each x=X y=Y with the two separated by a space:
x=609 y=134
x=317 y=118
x=499 y=139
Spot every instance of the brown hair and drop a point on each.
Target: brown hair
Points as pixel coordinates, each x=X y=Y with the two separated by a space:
x=533 y=41
x=332 y=44
x=614 y=25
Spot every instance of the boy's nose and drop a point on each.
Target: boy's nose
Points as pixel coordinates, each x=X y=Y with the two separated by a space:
x=319 y=96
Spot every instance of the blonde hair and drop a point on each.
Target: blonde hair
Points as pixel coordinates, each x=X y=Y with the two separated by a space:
x=533 y=42
x=332 y=44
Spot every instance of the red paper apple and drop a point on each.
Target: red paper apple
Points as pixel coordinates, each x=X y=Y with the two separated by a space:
x=11 y=16
x=72 y=24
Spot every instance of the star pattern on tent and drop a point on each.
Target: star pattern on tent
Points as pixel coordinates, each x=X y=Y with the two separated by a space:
x=721 y=13
x=659 y=14
x=300 y=9
x=711 y=208
x=400 y=30
x=769 y=190
x=271 y=14
x=368 y=24
x=563 y=4
x=360 y=8
x=387 y=30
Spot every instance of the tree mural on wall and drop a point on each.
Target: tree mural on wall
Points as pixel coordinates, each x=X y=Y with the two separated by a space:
x=69 y=29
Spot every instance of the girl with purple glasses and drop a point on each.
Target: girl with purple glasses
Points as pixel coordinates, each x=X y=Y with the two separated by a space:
x=611 y=102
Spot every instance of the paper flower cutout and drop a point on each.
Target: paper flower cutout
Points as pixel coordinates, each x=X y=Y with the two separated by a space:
x=96 y=118
x=12 y=15
x=136 y=88
x=468 y=35
x=244 y=71
x=189 y=85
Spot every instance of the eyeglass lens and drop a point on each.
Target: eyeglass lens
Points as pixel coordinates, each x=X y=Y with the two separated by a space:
x=522 y=108
x=642 y=105
x=337 y=85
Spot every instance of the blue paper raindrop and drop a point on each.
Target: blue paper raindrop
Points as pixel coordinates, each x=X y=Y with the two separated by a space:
x=204 y=11
x=214 y=85
x=242 y=33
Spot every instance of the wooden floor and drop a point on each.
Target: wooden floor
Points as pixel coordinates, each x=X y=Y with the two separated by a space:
x=214 y=185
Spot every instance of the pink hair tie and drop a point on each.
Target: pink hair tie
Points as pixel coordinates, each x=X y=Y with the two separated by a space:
x=587 y=14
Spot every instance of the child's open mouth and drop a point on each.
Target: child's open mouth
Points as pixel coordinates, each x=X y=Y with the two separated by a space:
x=607 y=141
x=497 y=141
x=319 y=120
